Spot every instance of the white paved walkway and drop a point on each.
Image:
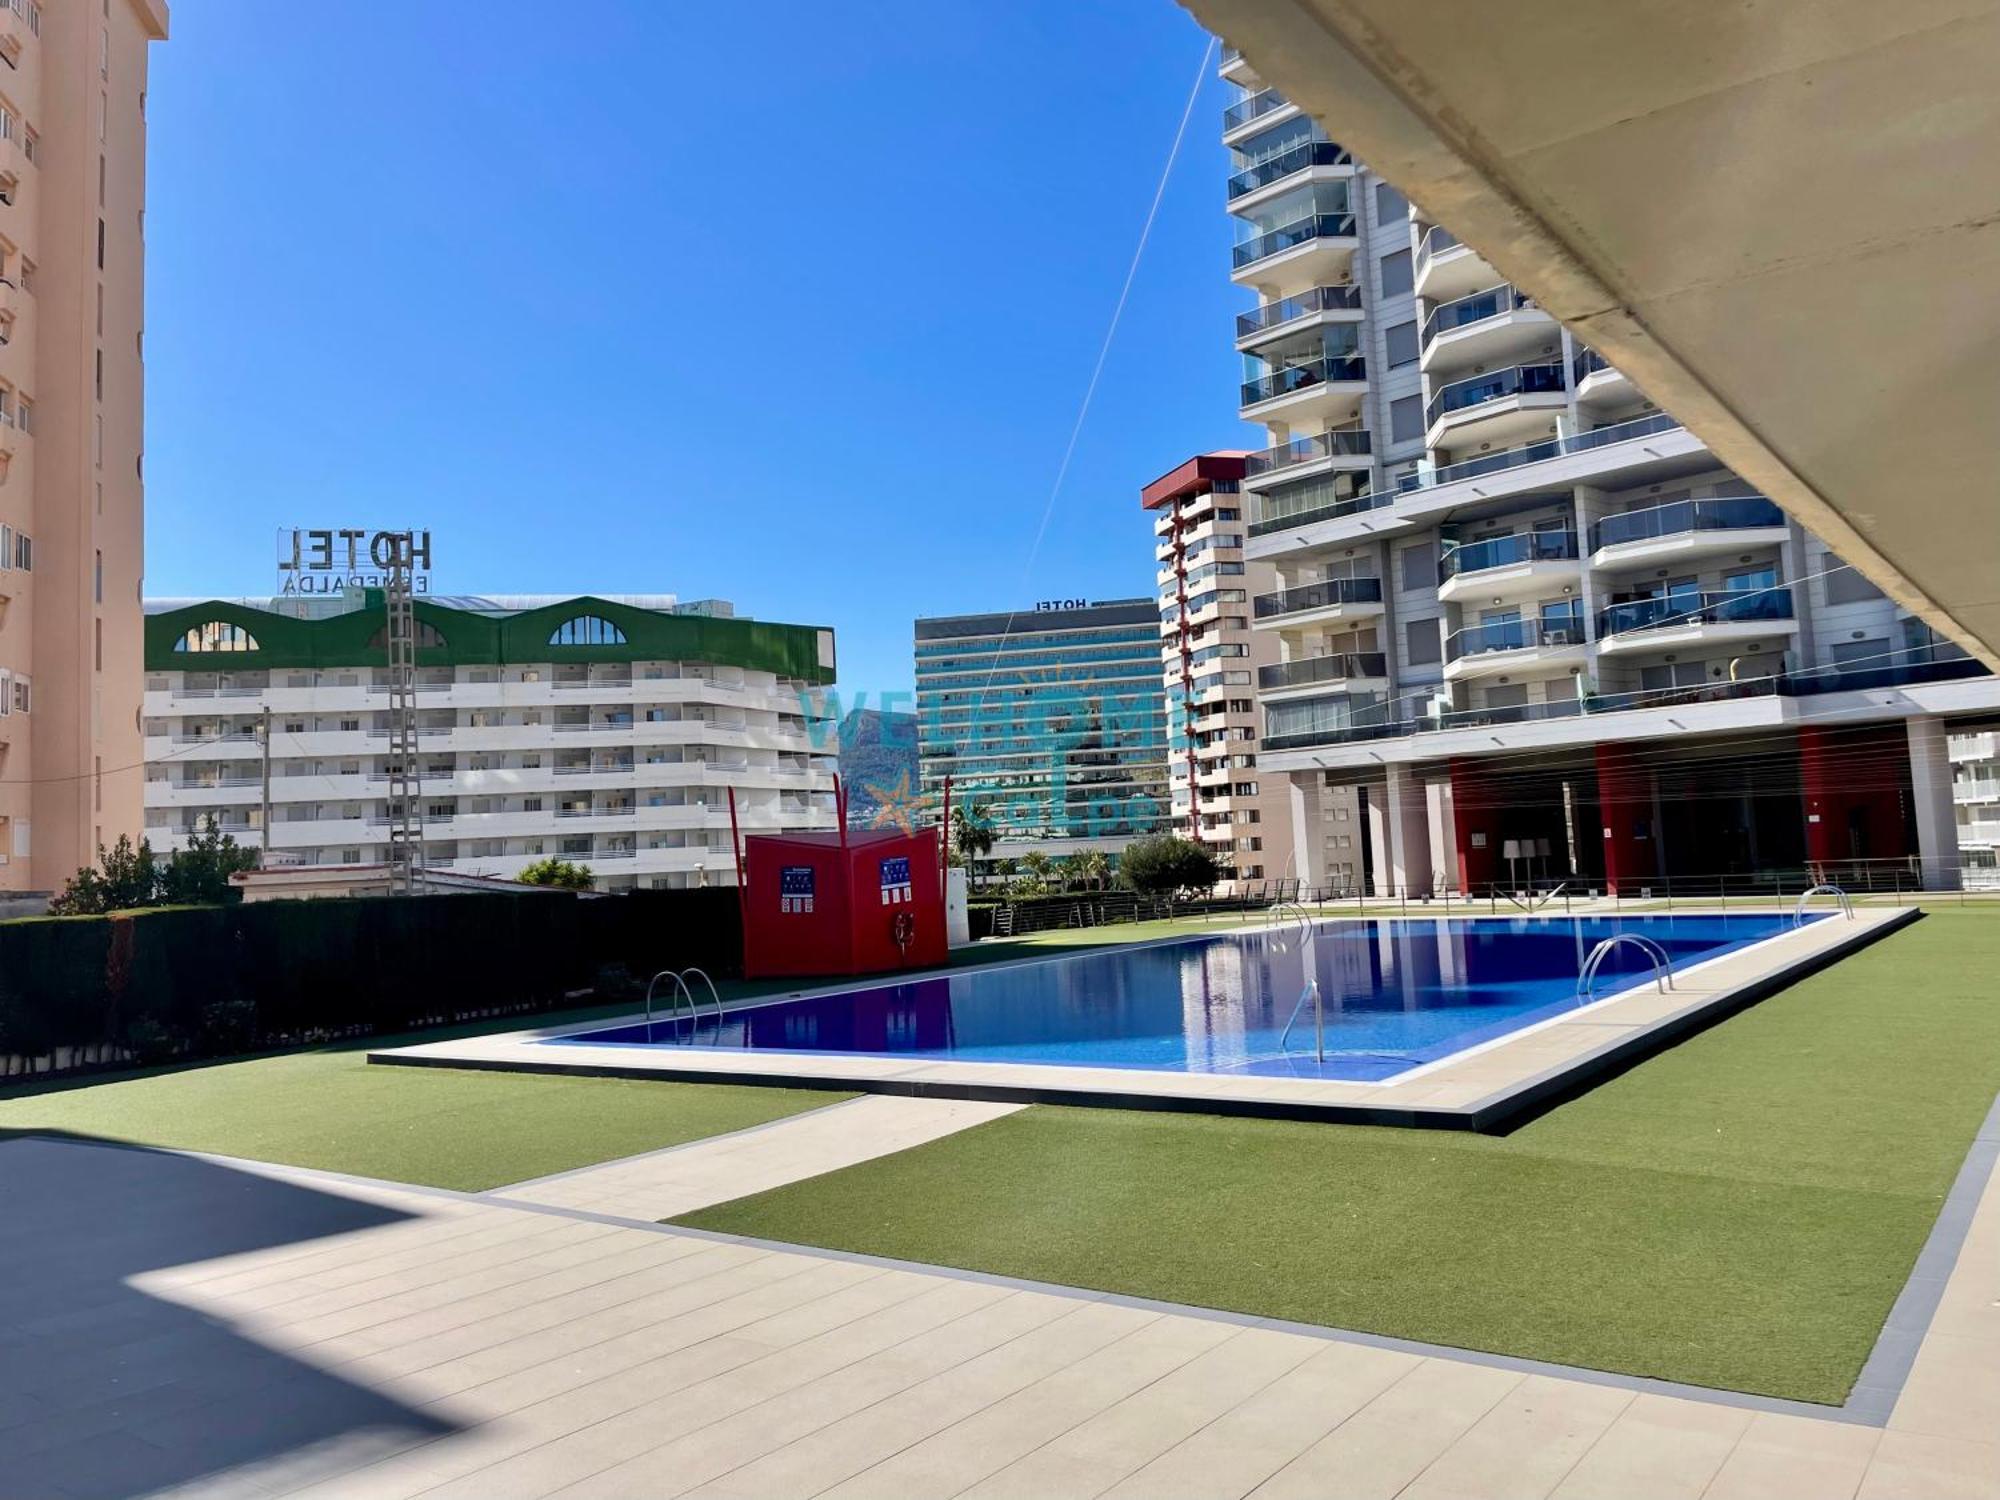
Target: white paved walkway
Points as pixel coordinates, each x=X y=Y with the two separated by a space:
x=253 y=1331
x=680 y=1179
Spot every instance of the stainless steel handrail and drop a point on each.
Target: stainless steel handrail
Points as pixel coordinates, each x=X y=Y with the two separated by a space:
x=1310 y=992
x=1663 y=965
x=702 y=974
x=1826 y=888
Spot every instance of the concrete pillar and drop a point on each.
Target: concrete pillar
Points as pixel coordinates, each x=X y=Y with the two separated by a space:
x=1308 y=828
x=1930 y=796
x=1376 y=874
x=1409 y=831
x=1443 y=832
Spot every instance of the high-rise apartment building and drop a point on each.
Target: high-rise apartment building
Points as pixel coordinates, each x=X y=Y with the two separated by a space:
x=607 y=731
x=1213 y=662
x=1527 y=625
x=72 y=390
x=1050 y=721
x=1975 y=793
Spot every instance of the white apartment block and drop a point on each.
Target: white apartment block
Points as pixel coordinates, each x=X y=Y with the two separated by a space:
x=608 y=730
x=1526 y=626
x=1975 y=795
x=1212 y=661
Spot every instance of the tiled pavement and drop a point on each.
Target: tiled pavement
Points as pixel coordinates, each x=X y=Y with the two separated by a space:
x=246 y=1330
x=680 y=1179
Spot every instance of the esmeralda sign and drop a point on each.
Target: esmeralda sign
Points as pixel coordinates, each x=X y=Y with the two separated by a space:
x=325 y=561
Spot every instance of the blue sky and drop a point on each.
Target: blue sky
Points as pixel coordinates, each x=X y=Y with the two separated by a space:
x=793 y=307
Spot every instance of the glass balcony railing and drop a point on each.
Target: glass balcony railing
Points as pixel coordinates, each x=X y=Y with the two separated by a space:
x=1299 y=232
x=1587 y=362
x=1333 y=510
x=1724 y=607
x=1340 y=667
x=1436 y=240
x=1277 y=314
x=1349 y=442
x=1516 y=635
x=1784 y=685
x=1447 y=317
x=1330 y=594
x=1521 y=380
x=1344 y=367
x=1506 y=551
x=1533 y=453
x=1285 y=164
x=1243 y=111
x=1681 y=517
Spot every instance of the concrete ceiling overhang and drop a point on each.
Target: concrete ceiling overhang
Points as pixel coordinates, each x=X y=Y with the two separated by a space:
x=1780 y=217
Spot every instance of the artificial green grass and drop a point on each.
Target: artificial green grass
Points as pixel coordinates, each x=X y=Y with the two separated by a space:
x=442 y=1127
x=1739 y=1212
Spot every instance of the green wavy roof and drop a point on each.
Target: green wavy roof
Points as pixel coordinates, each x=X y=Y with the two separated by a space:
x=470 y=639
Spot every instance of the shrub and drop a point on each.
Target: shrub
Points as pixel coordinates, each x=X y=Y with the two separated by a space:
x=1164 y=864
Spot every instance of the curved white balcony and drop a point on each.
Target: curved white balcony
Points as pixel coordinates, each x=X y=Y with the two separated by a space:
x=1526 y=565
x=1446 y=268
x=1543 y=647
x=1318 y=393
x=1311 y=603
x=1685 y=530
x=1314 y=250
x=1677 y=620
x=1497 y=326
x=1498 y=407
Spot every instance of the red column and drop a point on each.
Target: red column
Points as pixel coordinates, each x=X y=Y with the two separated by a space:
x=1625 y=803
x=1855 y=780
x=1473 y=813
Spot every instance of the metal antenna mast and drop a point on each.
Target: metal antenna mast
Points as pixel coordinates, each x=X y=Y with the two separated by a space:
x=406 y=829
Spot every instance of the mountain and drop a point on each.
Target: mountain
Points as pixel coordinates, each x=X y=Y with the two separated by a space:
x=877 y=750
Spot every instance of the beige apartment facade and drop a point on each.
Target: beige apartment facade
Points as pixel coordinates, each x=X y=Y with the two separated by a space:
x=72 y=416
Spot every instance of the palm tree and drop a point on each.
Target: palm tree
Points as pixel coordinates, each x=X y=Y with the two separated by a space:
x=1094 y=867
x=971 y=836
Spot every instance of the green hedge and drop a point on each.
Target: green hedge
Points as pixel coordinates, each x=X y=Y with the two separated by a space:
x=197 y=982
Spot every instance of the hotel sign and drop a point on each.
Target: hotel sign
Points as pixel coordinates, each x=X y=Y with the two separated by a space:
x=327 y=561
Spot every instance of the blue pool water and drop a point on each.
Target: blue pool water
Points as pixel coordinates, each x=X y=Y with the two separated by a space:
x=1397 y=993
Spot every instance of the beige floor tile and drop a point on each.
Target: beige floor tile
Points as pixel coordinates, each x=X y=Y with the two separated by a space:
x=1912 y=1466
x=1376 y=1452
x=1660 y=1448
x=1794 y=1458
x=1953 y=1390
x=1525 y=1446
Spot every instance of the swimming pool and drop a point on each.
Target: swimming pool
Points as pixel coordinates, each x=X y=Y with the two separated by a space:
x=1397 y=994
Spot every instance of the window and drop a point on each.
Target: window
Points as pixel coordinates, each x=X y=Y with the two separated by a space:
x=98 y=582
x=99 y=376
x=1420 y=642
x=1390 y=205
x=29 y=141
x=1402 y=340
x=98 y=623
x=587 y=630
x=27 y=274
x=1419 y=566
x=217 y=635
x=1870 y=653
x=24 y=695
x=1846 y=586
x=24 y=414
x=24 y=552
x=1406 y=419
x=1395 y=273
x=428 y=638
x=350 y=726
x=100 y=245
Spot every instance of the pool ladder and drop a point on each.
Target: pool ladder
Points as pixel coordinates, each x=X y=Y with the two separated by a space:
x=1663 y=965
x=682 y=990
x=1311 y=991
x=1823 y=889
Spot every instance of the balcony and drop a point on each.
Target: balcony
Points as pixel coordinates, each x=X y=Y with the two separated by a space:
x=1686 y=529
x=1316 y=249
x=1332 y=598
x=1485 y=329
x=1317 y=671
x=1286 y=164
x=1234 y=67
x=1521 y=566
x=1274 y=317
x=1350 y=447
x=1692 y=618
x=1316 y=392
x=1552 y=643
x=1597 y=380
x=1446 y=268
x=1335 y=510
x=1528 y=394
x=1249 y=111
x=1535 y=453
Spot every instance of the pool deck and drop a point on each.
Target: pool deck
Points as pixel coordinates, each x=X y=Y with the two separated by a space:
x=1483 y=1088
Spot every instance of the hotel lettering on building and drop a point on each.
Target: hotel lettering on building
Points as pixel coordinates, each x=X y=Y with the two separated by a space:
x=1521 y=624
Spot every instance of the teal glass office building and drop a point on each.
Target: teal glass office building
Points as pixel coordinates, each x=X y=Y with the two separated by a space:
x=1051 y=720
